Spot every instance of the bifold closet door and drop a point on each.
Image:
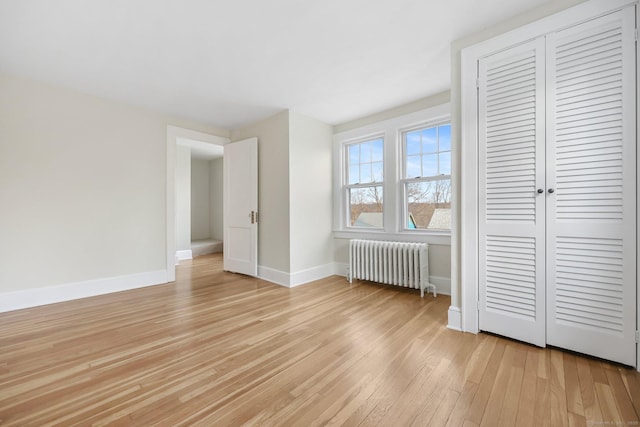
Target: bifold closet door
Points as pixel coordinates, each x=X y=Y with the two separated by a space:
x=511 y=210
x=591 y=187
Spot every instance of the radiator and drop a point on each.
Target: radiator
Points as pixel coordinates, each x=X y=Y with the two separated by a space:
x=391 y=263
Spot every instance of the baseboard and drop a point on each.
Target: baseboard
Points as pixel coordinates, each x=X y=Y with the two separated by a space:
x=48 y=295
x=185 y=254
x=311 y=274
x=298 y=278
x=455 y=318
x=443 y=284
x=274 y=276
x=341 y=269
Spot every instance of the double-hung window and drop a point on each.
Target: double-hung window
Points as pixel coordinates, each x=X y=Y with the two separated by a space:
x=365 y=167
x=406 y=159
x=426 y=178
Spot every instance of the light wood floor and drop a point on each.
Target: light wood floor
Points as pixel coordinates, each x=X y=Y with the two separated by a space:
x=221 y=349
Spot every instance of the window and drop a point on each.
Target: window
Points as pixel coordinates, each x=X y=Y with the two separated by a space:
x=406 y=159
x=427 y=178
x=364 y=178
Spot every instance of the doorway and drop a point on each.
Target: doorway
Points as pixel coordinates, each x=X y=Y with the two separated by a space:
x=199 y=183
x=193 y=222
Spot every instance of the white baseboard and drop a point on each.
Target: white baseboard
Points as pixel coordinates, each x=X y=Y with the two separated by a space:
x=185 y=254
x=455 y=319
x=443 y=284
x=274 y=276
x=27 y=298
x=298 y=278
x=341 y=269
x=311 y=274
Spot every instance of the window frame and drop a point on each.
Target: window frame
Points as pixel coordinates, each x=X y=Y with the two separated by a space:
x=347 y=187
x=404 y=181
x=393 y=189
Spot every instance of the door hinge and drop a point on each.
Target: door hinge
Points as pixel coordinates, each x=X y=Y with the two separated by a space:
x=478 y=306
x=478 y=83
x=637 y=337
x=635 y=35
x=257 y=217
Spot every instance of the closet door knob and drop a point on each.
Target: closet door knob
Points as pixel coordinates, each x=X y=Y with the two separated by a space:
x=540 y=191
x=551 y=190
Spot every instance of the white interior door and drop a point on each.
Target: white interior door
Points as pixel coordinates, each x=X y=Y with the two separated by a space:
x=591 y=191
x=241 y=207
x=511 y=210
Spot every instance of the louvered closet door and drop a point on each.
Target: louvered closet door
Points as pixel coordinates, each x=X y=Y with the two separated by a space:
x=511 y=211
x=591 y=247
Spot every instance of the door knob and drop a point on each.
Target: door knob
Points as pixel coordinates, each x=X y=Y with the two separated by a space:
x=540 y=191
x=551 y=190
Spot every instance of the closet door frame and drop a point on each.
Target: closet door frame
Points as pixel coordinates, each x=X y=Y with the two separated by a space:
x=469 y=201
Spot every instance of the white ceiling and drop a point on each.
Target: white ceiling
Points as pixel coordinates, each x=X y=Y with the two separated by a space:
x=230 y=63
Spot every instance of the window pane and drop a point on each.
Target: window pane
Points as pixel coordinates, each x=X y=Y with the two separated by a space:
x=354 y=153
x=429 y=140
x=413 y=167
x=377 y=171
x=376 y=150
x=445 y=163
x=444 y=137
x=413 y=142
x=365 y=173
x=354 y=174
x=428 y=205
x=365 y=207
x=365 y=152
x=430 y=165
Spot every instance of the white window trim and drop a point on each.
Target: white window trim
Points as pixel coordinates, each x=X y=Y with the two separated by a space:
x=393 y=187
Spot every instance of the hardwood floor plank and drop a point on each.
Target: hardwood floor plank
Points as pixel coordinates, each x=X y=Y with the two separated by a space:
x=632 y=384
x=558 y=396
x=497 y=399
x=526 y=405
x=479 y=404
x=623 y=400
x=457 y=416
x=591 y=405
x=216 y=348
x=572 y=385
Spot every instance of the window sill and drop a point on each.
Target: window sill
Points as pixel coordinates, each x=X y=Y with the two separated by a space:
x=433 y=238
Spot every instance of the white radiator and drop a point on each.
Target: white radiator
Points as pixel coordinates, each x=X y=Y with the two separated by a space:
x=391 y=263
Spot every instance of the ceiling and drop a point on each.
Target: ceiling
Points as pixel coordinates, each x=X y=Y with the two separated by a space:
x=230 y=63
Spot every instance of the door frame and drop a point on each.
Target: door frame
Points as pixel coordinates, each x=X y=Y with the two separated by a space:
x=469 y=268
x=173 y=134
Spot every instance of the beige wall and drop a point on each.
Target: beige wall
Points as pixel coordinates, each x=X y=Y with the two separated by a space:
x=82 y=186
x=183 y=198
x=216 y=198
x=401 y=110
x=200 y=200
x=310 y=187
x=273 y=188
x=456 y=47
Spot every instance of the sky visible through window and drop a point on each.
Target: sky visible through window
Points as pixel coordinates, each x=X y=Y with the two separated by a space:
x=428 y=152
x=366 y=162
